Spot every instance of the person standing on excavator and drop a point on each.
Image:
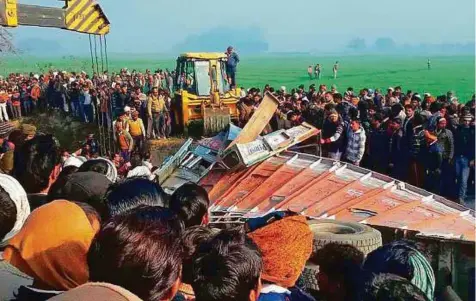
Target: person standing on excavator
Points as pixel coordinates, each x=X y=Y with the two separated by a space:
x=231 y=64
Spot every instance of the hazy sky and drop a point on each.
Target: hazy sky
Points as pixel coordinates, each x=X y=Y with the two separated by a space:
x=299 y=25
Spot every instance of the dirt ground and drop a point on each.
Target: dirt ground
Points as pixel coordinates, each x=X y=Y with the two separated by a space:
x=71 y=134
x=161 y=149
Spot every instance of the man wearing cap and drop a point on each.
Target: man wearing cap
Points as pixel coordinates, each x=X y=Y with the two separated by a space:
x=464 y=154
x=231 y=64
x=7 y=148
x=137 y=131
x=389 y=95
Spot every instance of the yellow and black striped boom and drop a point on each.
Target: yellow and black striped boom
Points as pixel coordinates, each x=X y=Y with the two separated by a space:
x=85 y=16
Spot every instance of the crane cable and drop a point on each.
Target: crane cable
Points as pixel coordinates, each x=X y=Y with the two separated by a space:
x=99 y=113
x=105 y=131
x=110 y=131
x=96 y=54
x=91 y=51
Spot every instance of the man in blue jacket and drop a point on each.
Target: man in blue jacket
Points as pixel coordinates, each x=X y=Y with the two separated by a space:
x=464 y=154
x=231 y=64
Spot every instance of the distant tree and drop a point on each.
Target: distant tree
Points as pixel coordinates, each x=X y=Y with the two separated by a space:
x=385 y=44
x=357 y=44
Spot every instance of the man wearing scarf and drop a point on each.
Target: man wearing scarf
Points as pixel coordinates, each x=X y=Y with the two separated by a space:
x=285 y=242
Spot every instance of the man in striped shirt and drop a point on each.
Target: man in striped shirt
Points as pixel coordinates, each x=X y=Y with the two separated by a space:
x=355 y=143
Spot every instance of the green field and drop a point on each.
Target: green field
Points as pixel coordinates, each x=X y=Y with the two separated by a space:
x=448 y=72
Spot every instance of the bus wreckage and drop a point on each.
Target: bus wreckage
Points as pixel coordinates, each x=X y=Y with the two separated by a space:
x=248 y=175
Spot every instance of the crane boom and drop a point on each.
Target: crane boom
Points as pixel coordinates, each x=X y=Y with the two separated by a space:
x=84 y=16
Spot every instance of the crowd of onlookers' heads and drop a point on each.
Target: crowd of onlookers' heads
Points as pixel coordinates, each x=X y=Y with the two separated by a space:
x=424 y=140
x=71 y=229
x=421 y=139
x=130 y=106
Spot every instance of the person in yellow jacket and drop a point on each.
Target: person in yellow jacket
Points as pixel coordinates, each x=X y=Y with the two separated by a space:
x=137 y=131
x=156 y=110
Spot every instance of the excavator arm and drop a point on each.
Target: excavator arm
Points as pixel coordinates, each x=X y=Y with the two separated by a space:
x=84 y=16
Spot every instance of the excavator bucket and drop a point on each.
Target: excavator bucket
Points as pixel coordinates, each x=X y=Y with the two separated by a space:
x=215 y=119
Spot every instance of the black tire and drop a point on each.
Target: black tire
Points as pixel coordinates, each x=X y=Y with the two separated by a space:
x=363 y=237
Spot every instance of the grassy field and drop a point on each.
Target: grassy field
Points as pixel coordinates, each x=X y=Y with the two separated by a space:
x=448 y=73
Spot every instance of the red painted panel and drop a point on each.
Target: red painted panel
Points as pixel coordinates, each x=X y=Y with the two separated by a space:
x=352 y=191
x=407 y=215
x=383 y=201
x=316 y=192
x=456 y=225
x=283 y=175
x=225 y=182
x=305 y=177
x=249 y=182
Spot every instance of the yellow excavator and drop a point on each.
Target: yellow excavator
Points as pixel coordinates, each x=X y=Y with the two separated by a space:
x=202 y=94
x=84 y=16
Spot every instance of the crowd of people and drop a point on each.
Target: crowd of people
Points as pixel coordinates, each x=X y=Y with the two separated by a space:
x=70 y=229
x=83 y=227
x=424 y=140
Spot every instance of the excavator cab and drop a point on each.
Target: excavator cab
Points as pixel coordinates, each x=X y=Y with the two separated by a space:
x=202 y=94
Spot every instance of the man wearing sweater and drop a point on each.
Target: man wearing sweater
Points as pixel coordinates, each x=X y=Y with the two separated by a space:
x=156 y=109
x=137 y=131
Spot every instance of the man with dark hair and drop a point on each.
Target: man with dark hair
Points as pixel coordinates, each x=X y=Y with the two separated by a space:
x=139 y=251
x=416 y=145
x=192 y=238
x=378 y=145
x=389 y=287
x=37 y=166
x=231 y=64
x=228 y=267
x=339 y=267
x=132 y=193
x=407 y=123
x=190 y=202
x=355 y=143
x=85 y=187
x=464 y=154
x=397 y=161
x=333 y=135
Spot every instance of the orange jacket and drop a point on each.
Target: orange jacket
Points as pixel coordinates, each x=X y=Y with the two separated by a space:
x=4 y=98
x=35 y=92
